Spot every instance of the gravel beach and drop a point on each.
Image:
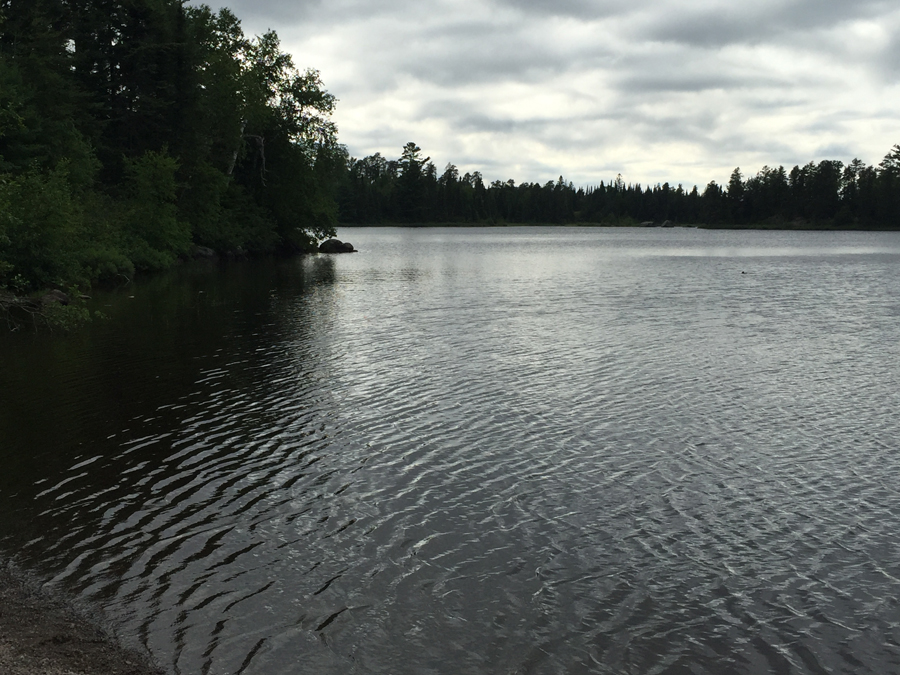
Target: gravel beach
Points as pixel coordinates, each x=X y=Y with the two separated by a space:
x=42 y=635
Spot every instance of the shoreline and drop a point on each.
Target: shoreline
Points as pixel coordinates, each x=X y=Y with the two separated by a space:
x=45 y=635
x=769 y=227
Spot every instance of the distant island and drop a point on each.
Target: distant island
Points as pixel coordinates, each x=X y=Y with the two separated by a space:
x=137 y=133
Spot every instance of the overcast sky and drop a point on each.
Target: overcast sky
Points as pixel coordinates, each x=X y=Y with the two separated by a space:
x=657 y=90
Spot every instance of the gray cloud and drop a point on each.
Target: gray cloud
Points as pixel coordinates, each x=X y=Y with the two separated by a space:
x=691 y=82
x=580 y=9
x=889 y=66
x=715 y=25
x=278 y=14
x=657 y=89
x=835 y=150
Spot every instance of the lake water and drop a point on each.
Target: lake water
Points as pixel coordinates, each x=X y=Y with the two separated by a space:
x=516 y=450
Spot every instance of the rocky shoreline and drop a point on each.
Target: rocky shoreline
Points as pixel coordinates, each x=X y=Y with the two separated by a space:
x=42 y=635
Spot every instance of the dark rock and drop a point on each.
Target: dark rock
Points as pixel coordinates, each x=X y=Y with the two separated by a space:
x=336 y=246
x=647 y=223
x=237 y=254
x=203 y=252
x=54 y=296
x=668 y=223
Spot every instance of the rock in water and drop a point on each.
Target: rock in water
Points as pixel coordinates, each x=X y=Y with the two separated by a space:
x=336 y=246
x=203 y=252
x=55 y=296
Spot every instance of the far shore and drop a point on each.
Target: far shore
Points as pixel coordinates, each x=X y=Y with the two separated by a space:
x=784 y=226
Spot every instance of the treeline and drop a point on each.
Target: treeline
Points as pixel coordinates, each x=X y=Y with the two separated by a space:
x=828 y=194
x=133 y=130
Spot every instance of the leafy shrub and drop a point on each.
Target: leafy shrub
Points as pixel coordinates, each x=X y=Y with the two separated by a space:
x=155 y=236
x=40 y=220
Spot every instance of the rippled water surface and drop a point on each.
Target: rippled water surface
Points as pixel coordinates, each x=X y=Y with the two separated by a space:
x=535 y=450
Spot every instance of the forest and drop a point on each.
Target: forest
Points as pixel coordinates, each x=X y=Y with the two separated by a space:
x=134 y=130
x=824 y=195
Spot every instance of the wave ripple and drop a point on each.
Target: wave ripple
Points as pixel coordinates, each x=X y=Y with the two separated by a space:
x=536 y=451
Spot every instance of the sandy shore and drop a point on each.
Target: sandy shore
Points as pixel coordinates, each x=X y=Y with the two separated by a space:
x=40 y=635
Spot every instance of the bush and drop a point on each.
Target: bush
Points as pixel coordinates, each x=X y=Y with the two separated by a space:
x=39 y=221
x=154 y=235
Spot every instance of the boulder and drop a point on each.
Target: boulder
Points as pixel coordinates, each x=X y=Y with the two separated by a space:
x=647 y=223
x=53 y=297
x=668 y=223
x=237 y=254
x=203 y=252
x=336 y=246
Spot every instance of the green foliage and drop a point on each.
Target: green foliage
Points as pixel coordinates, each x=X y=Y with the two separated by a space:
x=154 y=235
x=65 y=317
x=102 y=254
x=201 y=205
x=40 y=219
x=6 y=222
x=130 y=129
x=248 y=222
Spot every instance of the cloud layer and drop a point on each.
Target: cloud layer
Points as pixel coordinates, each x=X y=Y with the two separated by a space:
x=656 y=90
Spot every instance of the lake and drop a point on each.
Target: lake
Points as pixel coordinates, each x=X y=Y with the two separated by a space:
x=478 y=450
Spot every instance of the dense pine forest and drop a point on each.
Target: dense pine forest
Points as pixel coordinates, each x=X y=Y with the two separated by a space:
x=824 y=195
x=134 y=130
